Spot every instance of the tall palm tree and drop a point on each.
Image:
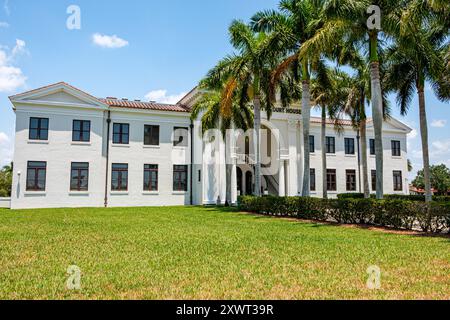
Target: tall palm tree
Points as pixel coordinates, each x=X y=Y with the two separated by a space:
x=247 y=73
x=294 y=19
x=209 y=106
x=327 y=93
x=347 y=19
x=417 y=56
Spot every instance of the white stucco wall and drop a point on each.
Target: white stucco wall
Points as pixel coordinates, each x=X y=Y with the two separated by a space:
x=209 y=182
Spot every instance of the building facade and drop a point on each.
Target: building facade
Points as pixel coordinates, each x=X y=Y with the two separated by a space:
x=76 y=150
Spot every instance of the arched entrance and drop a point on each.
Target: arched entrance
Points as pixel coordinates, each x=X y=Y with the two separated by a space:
x=239 y=180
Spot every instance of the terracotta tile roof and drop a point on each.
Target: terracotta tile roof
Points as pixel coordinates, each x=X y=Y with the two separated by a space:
x=132 y=104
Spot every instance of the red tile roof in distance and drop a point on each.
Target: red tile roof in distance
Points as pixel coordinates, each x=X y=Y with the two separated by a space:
x=132 y=104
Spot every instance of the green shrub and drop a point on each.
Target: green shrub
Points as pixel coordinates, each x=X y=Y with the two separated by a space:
x=396 y=213
x=351 y=196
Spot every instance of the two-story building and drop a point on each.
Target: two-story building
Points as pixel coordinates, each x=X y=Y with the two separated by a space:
x=75 y=150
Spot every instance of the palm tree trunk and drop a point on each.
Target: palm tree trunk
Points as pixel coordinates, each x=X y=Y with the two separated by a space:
x=257 y=148
x=424 y=136
x=365 y=173
x=306 y=118
x=377 y=111
x=324 y=153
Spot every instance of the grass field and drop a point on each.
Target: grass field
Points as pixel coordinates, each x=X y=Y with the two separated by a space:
x=207 y=253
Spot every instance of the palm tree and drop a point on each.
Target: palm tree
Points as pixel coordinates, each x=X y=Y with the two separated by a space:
x=347 y=19
x=327 y=93
x=247 y=74
x=295 y=19
x=209 y=106
x=418 y=56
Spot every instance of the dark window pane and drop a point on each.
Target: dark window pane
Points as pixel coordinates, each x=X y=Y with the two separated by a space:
x=44 y=123
x=372 y=146
x=374 y=180
x=180 y=178
x=34 y=134
x=312 y=147
x=398 y=181
x=351 y=180
x=38 y=129
x=121 y=133
x=34 y=123
x=77 y=125
x=396 y=150
x=313 y=179
x=331 y=179
x=330 y=144
x=36 y=175
x=119 y=177
x=79 y=180
x=76 y=136
x=349 y=146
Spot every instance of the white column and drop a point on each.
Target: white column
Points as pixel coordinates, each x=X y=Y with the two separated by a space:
x=282 y=180
x=233 y=183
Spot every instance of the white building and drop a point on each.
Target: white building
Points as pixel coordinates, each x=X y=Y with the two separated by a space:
x=75 y=150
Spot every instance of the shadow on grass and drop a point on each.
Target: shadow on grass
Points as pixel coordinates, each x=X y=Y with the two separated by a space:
x=327 y=224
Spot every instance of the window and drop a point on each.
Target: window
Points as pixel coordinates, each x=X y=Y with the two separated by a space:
x=350 y=178
x=331 y=179
x=374 y=180
x=312 y=179
x=330 y=144
x=372 y=146
x=81 y=130
x=119 y=177
x=79 y=176
x=398 y=181
x=121 y=133
x=396 y=152
x=199 y=175
x=180 y=137
x=312 y=145
x=38 y=129
x=180 y=178
x=349 y=146
x=150 y=177
x=36 y=173
x=151 y=135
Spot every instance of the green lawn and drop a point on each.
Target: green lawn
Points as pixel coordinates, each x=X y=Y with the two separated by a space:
x=206 y=253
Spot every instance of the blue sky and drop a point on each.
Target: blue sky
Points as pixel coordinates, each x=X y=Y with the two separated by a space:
x=160 y=51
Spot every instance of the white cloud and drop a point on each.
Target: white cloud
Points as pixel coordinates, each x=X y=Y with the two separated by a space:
x=4 y=24
x=106 y=41
x=11 y=77
x=6 y=149
x=438 y=123
x=162 y=97
x=413 y=134
x=441 y=147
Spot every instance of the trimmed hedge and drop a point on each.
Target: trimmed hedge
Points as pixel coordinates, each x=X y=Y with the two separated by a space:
x=412 y=197
x=401 y=214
